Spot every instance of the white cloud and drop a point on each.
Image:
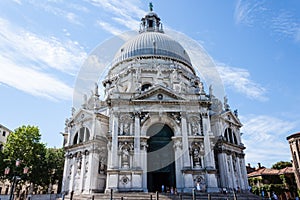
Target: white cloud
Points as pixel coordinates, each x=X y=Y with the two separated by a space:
x=265 y=139
x=109 y=28
x=22 y=46
x=246 y=11
x=123 y=13
x=18 y=2
x=282 y=22
x=33 y=81
x=285 y=25
x=57 y=11
x=30 y=62
x=238 y=79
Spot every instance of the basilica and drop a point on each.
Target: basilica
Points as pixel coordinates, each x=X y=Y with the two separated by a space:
x=156 y=128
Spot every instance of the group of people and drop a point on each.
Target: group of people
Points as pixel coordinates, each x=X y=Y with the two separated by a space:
x=170 y=190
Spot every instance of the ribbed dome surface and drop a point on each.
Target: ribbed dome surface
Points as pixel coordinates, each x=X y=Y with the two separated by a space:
x=152 y=44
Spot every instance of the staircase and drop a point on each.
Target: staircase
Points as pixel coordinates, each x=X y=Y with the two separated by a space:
x=164 y=196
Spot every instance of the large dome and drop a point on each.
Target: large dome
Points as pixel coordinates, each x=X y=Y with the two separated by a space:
x=153 y=43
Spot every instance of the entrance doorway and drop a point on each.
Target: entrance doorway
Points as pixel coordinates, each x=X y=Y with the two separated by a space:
x=160 y=158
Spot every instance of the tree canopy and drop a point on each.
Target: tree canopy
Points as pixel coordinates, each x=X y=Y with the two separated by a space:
x=281 y=165
x=44 y=165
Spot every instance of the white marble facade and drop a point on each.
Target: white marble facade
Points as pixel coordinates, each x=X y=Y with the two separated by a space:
x=156 y=126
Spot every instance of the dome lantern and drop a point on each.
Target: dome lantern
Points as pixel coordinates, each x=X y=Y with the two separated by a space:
x=151 y=22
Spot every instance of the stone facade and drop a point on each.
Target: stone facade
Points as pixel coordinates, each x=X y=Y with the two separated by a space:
x=4 y=132
x=294 y=141
x=155 y=126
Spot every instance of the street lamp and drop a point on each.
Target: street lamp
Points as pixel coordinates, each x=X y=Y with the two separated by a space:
x=15 y=177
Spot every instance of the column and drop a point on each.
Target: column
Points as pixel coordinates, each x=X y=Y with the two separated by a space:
x=137 y=143
x=114 y=146
x=65 y=183
x=91 y=172
x=232 y=185
x=82 y=172
x=144 y=164
x=244 y=173
x=209 y=157
x=178 y=162
x=73 y=173
x=222 y=169
x=188 y=177
x=240 y=177
x=185 y=142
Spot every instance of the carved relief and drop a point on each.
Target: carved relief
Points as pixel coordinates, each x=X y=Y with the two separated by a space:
x=144 y=117
x=175 y=116
x=177 y=144
x=195 y=125
x=200 y=183
x=125 y=124
x=144 y=144
x=124 y=180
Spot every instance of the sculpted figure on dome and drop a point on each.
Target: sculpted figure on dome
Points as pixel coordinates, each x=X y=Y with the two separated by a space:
x=201 y=88
x=226 y=105
x=174 y=75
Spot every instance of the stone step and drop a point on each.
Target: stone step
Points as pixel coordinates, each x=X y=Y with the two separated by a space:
x=147 y=196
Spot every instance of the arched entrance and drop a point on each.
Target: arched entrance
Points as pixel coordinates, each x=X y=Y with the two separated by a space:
x=160 y=158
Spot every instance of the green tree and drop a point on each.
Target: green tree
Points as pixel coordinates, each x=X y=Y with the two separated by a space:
x=55 y=164
x=281 y=165
x=24 y=144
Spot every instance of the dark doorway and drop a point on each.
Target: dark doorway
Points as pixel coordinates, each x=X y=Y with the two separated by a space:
x=160 y=158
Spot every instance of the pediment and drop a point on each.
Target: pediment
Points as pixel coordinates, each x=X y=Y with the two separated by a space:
x=229 y=116
x=159 y=93
x=82 y=115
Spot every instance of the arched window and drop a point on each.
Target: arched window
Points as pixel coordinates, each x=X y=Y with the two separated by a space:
x=234 y=138
x=87 y=135
x=75 y=138
x=230 y=136
x=82 y=136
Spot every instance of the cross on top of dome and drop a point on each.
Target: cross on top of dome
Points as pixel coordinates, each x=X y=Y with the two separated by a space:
x=151 y=22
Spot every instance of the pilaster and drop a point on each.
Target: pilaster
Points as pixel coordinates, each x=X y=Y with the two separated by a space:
x=137 y=143
x=185 y=143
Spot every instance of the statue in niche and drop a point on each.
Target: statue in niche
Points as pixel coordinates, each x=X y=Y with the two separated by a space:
x=196 y=157
x=101 y=169
x=126 y=129
x=125 y=157
x=195 y=128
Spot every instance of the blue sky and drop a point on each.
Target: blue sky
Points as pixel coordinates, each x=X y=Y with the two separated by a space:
x=254 y=44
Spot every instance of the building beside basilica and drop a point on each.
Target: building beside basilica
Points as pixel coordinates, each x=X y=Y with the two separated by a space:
x=156 y=126
x=294 y=142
